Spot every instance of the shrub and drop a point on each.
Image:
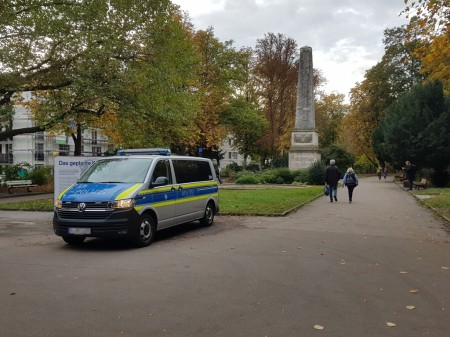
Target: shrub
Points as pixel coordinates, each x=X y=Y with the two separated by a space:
x=225 y=172
x=234 y=167
x=247 y=179
x=268 y=177
x=12 y=172
x=300 y=176
x=285 y=174
x=316 y=173
x=279 y=180
x=41 y=175
x=253 y=167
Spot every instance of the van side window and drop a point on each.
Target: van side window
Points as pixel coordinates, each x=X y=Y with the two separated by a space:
x=187 y=171
x=162 y=169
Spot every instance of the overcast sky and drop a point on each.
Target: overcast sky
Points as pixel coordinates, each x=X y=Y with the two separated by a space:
x=345 y=35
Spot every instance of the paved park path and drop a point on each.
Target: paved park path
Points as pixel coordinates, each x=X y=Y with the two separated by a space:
x=350 y=269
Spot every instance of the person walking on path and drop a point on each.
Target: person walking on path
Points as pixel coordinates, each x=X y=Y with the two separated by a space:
x=332 y=177
x=351 y=181
x=379 y=172
x=385 y=172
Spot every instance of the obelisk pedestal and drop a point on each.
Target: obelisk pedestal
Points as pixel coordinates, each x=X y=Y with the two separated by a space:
x=304 y=149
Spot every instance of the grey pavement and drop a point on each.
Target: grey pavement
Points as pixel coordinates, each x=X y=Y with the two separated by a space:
x=349 y=268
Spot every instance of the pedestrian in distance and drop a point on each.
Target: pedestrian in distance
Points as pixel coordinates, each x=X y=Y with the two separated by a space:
x=379 y=172
x=351 y=181
x=332 y=177
x=410 y=173
x=385 y=172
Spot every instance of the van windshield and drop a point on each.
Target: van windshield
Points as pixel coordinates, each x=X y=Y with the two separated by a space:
x=123 y=170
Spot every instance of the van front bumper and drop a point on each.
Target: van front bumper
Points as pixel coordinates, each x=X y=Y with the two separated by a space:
x=95 y=224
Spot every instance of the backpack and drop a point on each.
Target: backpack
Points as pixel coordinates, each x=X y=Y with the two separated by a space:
x=350 y=180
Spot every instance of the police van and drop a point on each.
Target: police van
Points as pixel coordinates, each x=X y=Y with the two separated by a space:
x=136 y=193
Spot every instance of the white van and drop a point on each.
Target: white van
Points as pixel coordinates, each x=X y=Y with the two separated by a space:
x=134 y=194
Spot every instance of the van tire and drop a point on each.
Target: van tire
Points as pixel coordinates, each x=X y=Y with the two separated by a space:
x=208 y=217
x=145 y=232
x=74 y=240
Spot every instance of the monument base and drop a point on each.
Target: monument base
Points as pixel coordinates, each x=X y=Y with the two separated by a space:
x=302 y=158
x=304 y=151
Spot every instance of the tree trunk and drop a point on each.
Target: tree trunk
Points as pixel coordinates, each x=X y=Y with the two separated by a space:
x=77 y=140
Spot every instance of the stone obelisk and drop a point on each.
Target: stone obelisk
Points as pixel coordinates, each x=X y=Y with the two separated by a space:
x=304 y=149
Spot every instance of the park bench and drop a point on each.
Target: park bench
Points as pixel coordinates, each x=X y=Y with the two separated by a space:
x=19 y=183
x=423 y=184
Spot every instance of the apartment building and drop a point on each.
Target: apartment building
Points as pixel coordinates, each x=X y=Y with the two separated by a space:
x=40 y=148
x=231 y=155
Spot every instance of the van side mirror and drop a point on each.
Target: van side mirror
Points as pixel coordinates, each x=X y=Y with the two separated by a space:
x=160 y=181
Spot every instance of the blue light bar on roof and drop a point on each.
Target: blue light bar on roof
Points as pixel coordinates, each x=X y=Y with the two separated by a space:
x=133 y=152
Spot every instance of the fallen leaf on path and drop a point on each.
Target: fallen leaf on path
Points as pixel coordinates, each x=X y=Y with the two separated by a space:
x=403 y=272
x=445 y=268
x=410 y=307
x=414 y=291
x=318 y=327
x=390 y=324
x=12 y=293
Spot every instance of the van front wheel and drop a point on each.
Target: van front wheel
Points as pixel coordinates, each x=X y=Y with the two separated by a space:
x=208 y=218
x=146 y=231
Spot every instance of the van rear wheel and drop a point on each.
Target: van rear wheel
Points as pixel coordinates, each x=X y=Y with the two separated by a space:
x=208 y=217
x=146 y=231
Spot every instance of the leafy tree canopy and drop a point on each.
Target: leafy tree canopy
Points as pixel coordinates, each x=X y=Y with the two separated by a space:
x=417 y=128
x=83 y=60
x=429 y=23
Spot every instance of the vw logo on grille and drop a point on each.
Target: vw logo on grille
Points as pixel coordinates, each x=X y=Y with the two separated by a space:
x=81 y=207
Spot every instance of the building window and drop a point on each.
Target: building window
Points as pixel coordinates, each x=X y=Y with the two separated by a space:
x=7 y=156
x=39 y=154
x=96 y=151
x=233 y=155
x=230 y=141
x=64 y=149
x=39 y=135
x=94 y=138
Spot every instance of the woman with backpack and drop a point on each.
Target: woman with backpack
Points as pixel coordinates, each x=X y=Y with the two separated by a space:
x=351 y=181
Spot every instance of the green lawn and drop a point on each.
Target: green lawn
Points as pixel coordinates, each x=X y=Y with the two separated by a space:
x=32 y=205
x=271 y=202
x=439 y=199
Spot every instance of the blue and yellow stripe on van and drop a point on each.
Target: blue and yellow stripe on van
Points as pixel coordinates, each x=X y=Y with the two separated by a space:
x=129 y=192
x=172 y=195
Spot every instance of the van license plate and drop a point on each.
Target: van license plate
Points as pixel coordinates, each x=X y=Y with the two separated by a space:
x=79 y=231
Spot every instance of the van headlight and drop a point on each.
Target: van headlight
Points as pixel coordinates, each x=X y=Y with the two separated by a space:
x=58 y=203
x=121 y=204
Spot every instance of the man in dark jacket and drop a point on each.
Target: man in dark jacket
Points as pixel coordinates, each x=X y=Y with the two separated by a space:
x=332 y=177
x=410 y=173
